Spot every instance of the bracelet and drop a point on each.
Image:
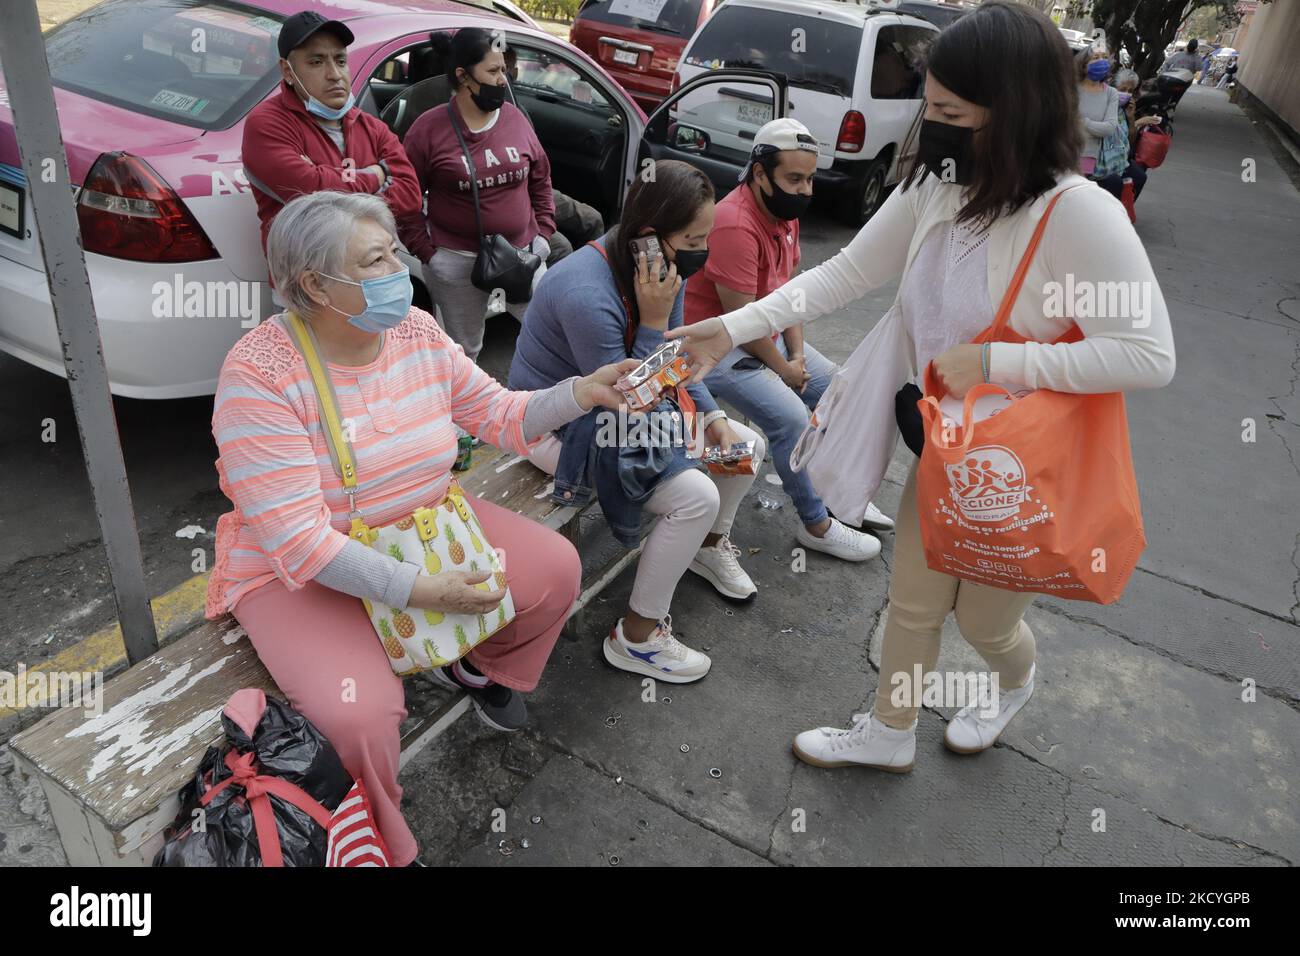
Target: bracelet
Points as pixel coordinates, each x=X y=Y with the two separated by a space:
x=984 y=360
x=708 y=418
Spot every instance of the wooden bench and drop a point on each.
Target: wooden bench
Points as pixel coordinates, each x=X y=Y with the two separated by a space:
x=113 y=780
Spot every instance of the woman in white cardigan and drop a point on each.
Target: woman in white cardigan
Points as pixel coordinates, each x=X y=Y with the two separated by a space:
x=995 y=147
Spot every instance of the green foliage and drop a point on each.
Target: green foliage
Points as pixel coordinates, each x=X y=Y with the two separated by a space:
x=1146 y=27
x=550 y=9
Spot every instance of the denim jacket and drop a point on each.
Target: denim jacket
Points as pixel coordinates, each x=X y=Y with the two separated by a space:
x=622 y=476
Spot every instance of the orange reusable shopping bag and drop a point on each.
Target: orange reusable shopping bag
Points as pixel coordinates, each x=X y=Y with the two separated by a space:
x=1039 y=497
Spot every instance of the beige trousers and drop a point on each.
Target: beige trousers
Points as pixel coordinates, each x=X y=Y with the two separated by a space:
x=989 y=618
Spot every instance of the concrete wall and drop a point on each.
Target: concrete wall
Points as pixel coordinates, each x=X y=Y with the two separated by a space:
x=1270 y=59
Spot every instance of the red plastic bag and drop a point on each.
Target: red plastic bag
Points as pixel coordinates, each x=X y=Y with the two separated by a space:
x=1128 y=197
x=1152 y=147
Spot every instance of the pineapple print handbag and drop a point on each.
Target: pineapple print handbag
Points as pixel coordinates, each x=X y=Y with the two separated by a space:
x=447 y=536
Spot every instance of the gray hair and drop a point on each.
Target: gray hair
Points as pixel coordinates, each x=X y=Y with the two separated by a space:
x=311 y=233
x=1124 y=77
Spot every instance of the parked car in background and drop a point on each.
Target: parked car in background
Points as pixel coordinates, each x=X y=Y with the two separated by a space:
x=153 y=133
x=933 y=11
x=639 y=41
x=855 y=72
x=1077 y=39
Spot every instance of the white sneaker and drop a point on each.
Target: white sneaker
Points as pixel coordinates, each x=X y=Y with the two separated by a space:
x=877 y=519
x=868 y=743
x=841 y=541
x=662 y=656
x=720 y=566
x=969 y=733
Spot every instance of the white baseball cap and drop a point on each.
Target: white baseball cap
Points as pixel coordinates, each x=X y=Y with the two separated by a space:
x=779 y=134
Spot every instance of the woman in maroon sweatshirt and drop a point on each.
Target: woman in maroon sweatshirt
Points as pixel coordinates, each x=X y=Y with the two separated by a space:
x=514 y=183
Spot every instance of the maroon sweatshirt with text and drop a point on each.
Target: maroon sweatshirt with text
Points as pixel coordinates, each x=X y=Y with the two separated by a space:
x=513 y=173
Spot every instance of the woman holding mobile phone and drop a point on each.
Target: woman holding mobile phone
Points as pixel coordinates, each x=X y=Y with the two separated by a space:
x=599 y=305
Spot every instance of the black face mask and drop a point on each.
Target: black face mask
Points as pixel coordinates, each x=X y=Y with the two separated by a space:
x=489 y=98
x=688 y=261
x=946 y=151
x=782 y=204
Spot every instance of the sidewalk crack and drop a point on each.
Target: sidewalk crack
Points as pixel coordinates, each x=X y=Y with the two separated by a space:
x=1278 y=694
x=1124 y=798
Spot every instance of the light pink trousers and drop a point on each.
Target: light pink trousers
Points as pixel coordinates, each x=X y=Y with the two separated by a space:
x=324 y=654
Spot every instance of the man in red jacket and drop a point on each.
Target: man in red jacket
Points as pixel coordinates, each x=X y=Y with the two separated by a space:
x=310 y=136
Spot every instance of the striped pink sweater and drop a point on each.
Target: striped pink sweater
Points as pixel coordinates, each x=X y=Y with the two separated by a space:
x=291 y=516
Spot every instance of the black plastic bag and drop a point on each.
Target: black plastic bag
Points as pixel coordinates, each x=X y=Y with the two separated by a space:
x=284 y=744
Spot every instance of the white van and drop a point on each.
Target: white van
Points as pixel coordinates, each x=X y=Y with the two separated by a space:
x=855 y=72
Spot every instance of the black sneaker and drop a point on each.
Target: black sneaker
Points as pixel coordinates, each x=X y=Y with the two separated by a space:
x=497 y=706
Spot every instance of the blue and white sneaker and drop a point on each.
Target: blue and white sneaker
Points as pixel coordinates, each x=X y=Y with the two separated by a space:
x=661 y=656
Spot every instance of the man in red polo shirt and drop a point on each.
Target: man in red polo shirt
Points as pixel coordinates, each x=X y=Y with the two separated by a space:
x=753 y=250
x=310 y=136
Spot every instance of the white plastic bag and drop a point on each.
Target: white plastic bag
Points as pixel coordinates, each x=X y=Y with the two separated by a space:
x=847 y=446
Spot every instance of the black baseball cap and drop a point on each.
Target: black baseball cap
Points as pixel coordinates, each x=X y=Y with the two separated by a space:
x=301 y=27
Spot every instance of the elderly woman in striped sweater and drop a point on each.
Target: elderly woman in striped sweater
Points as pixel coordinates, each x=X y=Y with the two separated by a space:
x=285 y=566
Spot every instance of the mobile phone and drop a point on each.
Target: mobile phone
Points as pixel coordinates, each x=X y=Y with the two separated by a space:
x=650 y=246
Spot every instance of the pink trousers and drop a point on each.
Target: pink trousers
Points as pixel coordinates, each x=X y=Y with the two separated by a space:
x=322 y=651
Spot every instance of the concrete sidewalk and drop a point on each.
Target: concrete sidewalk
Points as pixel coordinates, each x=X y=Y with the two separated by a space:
x=1138 y=711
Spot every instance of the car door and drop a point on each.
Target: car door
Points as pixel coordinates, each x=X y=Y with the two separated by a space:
x=710 y=122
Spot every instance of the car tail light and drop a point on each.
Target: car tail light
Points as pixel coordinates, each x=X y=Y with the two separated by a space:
x=128 y=211
x=853 y=132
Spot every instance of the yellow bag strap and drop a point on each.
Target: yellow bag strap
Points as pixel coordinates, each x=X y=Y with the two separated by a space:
x=339 y=448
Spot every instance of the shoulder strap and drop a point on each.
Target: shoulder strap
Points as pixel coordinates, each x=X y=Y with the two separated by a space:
x=340 y=450
x=628 y=332
x=469 y=160
x=1013 y=290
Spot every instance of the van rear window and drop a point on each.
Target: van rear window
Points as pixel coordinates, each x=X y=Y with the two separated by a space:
x=198 y=63
x=823 y=54
x=678 y=17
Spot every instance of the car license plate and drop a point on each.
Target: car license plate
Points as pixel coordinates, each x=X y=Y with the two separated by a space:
x=754 y=113
x=11 y=209
x=625 y=56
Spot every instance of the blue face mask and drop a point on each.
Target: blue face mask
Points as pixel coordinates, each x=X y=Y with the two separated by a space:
x=1098 y=70
x=388 y=300
x=316 y=108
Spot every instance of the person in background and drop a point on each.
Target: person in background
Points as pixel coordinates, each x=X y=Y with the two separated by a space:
x=1098 y=105
x=1206 y=62
x=598 y=306
x=514 y=183
x=310 y=135
x=575 y=222
x=1184 y=60
x=1229 y=74
x=754 y=249
x=1126 y=84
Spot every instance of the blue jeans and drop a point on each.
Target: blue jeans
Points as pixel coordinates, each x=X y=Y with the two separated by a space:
x=781 y=412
